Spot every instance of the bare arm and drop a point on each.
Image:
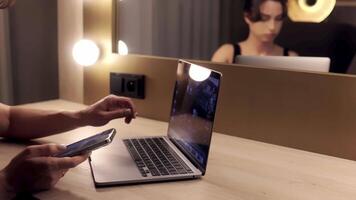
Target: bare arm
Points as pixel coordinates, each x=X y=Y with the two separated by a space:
x=4 y=118
x=24 y=123
x=293 y=53
x=224 y=54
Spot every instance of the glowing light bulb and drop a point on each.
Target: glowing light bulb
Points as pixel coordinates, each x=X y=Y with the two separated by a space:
x=123 y=49
x=199 y=73
x=86 y=52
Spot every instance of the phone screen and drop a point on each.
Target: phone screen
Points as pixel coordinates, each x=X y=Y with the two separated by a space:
x=88 y=144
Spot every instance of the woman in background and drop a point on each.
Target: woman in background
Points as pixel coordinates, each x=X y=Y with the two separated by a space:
x=265 y=20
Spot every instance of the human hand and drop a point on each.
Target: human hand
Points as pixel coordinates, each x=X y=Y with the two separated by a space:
x=34 y=169
x=108 y=108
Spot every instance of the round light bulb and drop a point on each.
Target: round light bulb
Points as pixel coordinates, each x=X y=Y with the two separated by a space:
x=199 y=73
x=123 y=49
x=86 y=52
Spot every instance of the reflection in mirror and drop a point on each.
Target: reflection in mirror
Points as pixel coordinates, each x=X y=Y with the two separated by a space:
x=195 y=29
x=122 y=48
x=199 y=73
x=174 y=28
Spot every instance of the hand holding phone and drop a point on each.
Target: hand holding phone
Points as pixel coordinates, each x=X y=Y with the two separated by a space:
x=88 y=144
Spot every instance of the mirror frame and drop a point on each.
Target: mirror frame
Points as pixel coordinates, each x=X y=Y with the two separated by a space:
x=114 y=36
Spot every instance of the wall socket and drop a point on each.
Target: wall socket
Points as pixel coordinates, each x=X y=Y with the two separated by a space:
x=128 y=85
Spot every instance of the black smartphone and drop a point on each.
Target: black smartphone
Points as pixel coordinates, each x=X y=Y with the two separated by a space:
x=88 y=144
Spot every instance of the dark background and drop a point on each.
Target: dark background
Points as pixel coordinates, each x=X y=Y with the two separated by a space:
x=335 y=37
x=34 y=50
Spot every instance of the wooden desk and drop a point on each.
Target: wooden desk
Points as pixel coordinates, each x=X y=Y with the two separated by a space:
x=237 y=169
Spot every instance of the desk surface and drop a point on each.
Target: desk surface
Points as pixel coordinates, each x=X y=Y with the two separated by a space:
x=237 y=169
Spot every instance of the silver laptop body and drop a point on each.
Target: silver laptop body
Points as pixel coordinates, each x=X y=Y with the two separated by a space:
x=183 y=153
x=314 y=64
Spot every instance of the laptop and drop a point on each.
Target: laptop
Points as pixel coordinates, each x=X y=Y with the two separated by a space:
x=314 y=64
x=182 y=153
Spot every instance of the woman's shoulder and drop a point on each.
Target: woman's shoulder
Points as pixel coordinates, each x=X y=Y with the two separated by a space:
x=288 y=52
x=292 y=53
x=224 y=53
x=227 y=46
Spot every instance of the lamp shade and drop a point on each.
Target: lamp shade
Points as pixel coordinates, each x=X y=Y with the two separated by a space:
x=310 y=10
x=86 y=52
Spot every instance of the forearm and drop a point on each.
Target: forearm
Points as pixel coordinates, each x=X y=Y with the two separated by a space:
x=28 y=123
x=24 y=123
x=4 y=118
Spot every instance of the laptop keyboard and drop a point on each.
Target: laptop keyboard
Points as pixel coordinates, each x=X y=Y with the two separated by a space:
x=153 y=156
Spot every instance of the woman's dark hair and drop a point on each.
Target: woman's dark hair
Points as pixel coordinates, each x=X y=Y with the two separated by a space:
x=252 y=8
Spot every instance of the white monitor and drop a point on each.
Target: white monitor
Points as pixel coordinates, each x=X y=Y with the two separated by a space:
x=315 y=64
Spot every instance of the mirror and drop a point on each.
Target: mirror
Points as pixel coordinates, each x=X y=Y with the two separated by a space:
x=194 y=29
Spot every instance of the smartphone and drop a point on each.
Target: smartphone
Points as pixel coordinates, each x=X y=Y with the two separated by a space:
x=88 y=144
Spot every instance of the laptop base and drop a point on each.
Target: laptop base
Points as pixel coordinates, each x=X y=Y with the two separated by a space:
x=114 y=165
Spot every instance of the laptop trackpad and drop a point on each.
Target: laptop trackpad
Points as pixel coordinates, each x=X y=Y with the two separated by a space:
x=113 y=164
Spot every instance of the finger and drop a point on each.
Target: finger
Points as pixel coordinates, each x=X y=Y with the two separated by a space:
x=62 y=172
x=43 y=150
x=53 y=178
x=69 y=162
x=133 y=107
x=127 y=102
x=127 y=113
x=128 y=120
x=58 y=175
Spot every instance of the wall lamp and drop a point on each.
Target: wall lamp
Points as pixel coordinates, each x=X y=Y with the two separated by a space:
x=86 y=52
x=310 y=10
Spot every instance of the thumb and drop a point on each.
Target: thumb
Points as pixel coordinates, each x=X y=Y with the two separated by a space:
x=43 y=150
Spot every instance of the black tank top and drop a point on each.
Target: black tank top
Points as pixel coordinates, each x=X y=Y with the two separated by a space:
x=237 y=51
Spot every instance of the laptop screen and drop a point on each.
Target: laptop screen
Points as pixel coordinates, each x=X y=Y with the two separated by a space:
x=193 y=110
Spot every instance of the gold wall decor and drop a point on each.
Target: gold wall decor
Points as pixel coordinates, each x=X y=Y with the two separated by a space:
x=310 y=10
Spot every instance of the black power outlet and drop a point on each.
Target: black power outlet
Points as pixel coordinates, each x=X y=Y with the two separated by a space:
x=128 y=85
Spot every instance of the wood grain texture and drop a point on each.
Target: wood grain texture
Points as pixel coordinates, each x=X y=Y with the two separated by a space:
x=237 y=169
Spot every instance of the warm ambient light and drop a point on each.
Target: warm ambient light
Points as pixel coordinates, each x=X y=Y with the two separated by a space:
x=123 y=49
x=86 y=52
x=310 y=10
x=199 y=73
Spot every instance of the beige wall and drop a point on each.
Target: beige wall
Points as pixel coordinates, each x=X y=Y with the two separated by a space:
x=5 y=61
x=70 y=30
